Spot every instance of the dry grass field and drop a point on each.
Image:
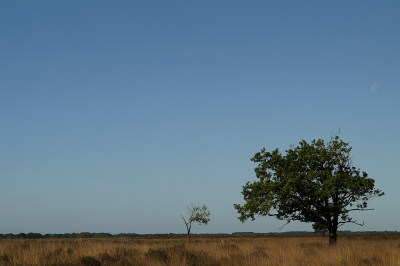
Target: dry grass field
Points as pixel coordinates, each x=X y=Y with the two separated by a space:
x=351 y=250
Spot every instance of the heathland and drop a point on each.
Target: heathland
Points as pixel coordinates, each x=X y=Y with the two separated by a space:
x=351 y=250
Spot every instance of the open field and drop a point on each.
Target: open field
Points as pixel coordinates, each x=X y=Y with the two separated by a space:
x=351 y=250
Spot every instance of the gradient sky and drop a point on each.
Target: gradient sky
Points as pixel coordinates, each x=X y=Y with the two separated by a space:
x=116 y=115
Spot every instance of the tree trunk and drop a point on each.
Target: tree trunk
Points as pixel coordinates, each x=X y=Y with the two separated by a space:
x=332 y=236
x=189 y=227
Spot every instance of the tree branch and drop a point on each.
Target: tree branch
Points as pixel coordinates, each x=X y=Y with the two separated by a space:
x=353 y=222
x=360 y=210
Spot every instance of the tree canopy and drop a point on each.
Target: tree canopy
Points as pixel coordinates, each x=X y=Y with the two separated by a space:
x=311 y=183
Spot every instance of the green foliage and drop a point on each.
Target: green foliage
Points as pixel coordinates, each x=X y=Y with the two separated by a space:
x=320 y=228
x=311 y=183
x=199 y=214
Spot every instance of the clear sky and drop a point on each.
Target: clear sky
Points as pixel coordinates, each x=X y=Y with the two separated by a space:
x=116 y=115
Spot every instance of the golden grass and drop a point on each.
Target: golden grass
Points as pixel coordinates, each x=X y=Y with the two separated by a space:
x=351 y=250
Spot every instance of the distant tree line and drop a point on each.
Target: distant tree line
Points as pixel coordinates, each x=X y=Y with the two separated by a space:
x=67 y=235
x=134 y=235
x=310 y=233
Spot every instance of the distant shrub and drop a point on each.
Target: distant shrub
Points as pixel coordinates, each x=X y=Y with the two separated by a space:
x=229 y=247
x=105 y=257
x=158 y=254
x=370 y=261
x=312 y=244
x=5 y=258
x=70 y=251
x=259 y=252
x=89 y=261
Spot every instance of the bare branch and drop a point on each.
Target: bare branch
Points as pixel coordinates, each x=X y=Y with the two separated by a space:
x=280 y=228
x=360 y=210
x=352 y=222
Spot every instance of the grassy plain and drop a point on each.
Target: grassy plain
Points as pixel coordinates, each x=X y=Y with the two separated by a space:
x=351 y=250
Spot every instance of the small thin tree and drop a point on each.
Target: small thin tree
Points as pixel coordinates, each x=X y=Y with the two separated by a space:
x=196 y=214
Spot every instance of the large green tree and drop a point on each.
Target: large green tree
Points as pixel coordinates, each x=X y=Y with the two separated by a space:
x=311 y=183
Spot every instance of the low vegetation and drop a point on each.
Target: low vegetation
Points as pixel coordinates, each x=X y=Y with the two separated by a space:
x=352 y=250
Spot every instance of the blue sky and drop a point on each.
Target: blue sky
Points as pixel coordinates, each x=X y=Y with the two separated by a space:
x=117 y=115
